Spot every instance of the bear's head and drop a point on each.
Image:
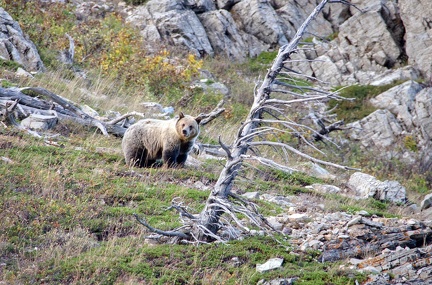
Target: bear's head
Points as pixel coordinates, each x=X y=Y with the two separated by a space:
x=188 y=127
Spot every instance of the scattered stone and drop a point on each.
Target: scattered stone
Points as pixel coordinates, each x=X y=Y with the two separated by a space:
x=325 y=189
x=298 y=218
x=7 y=160
x=269 y=265
x=215 y=87
x=274 y=222
x=251 y=195
x=279 y=200
x=363 y=213
x=23 y=73
x=316 y=170
x=201 y=186
x=427 y=202
x=354 y=221
x=39 y=122
x=278 y=281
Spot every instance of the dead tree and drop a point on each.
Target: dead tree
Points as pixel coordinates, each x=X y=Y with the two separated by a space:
x=19 y=103
x=267 y=116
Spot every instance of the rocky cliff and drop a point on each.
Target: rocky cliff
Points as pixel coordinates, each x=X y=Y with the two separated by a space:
x=369 y=40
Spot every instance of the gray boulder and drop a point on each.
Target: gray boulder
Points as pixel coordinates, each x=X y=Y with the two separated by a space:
x=367 y=186
x=16 y=46
x=427 y=202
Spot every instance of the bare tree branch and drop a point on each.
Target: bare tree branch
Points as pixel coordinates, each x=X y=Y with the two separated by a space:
x=164 y=233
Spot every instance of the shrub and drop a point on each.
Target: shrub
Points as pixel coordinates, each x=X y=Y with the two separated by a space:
x=410 y=143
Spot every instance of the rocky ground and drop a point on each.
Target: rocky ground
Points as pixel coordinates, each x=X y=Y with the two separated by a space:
x=390 y=250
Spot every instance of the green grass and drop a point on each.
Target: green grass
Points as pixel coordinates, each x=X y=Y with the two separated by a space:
x=359 y=108
x=69 y=211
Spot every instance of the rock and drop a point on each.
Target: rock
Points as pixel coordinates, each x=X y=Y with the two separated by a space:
x=401 y=74
x=364 y=184
x=251 y=195
x=399 y=100
x=226 y=4
x=325 y=189
x=298 y=218
x=23 y=73
x=427 y=202
x=368 y=186
x=274 y=222
x=354 y=221
x=258 y=18
x=363 y=213
x=416 y=20
x=201 y=186
x=269 y=265
x=173 y=23
x=223 y=34
x=15 y=45
x=406 y=113
x=316 y=170
x=215 y=87
x=280 y=200
x=200 y=6
x=278 y=281
x=39 y=122
x=292 y=14
x=380 y=130
x=370 y=269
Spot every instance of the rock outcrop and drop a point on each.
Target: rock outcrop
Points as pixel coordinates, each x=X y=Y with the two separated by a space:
x=416 y=16
x=373 y=38
x=391 y=250
x=235 y=28
x=16 y=46
x=404 y=115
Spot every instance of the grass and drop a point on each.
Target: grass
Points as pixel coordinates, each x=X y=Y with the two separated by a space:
x=68 y=211
x=359 y=108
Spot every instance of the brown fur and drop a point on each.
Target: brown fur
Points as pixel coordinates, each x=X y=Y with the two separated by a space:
x=150 y=140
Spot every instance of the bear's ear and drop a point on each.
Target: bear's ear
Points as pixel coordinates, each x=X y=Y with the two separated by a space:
x=181 y=115
x=199 y=119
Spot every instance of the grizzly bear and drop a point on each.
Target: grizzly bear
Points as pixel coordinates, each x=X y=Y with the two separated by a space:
x=149 y=140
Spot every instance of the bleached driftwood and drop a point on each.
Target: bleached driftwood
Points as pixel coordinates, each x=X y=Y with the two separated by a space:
x=19 y=103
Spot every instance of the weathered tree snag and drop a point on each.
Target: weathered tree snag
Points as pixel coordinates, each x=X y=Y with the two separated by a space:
x=218 y=220
x=211 y=214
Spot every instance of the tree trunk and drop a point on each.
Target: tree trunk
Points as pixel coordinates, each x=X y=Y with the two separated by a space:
x=210 y=216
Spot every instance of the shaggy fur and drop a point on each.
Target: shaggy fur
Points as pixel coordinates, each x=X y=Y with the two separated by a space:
x=150 y=140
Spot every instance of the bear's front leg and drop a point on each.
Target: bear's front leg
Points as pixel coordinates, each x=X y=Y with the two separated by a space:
x=169 y=157
x=181 y=159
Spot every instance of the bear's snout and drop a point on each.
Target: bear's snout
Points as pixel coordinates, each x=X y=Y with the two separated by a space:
x=185 y=133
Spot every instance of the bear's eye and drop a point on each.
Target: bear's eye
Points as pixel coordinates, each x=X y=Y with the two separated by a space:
x=183 y=125
x=190 y=127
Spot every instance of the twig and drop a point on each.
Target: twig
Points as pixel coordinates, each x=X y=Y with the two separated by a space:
x=164 y=233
